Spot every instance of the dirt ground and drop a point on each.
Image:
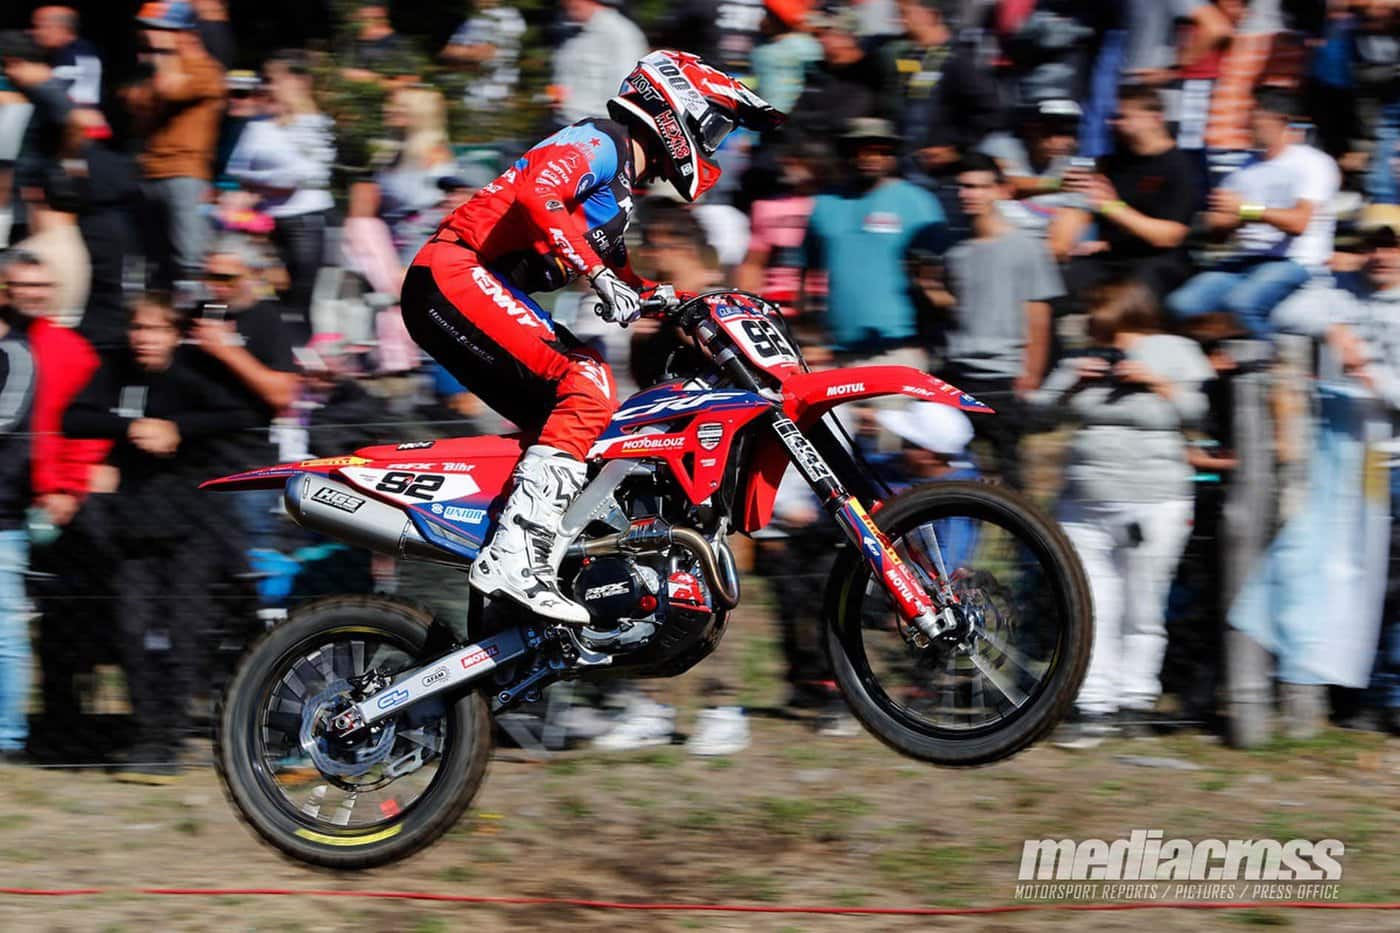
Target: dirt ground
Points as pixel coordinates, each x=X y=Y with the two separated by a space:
x=793 y=820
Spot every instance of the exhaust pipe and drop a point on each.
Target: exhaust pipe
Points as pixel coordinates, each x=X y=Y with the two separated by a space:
x=656 y=536
x=338 y=511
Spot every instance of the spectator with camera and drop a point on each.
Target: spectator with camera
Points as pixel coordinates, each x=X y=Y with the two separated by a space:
x=241 y=341
x=1142 y=199
x=1037 y=158
x=1127 y=501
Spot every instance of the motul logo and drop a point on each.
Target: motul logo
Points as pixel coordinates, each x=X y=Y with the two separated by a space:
x=850 y=388
x=479 y=656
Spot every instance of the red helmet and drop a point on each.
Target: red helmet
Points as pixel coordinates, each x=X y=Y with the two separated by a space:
x=680 y=110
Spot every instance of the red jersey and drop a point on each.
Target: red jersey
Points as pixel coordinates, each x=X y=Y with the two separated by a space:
x=559 y=211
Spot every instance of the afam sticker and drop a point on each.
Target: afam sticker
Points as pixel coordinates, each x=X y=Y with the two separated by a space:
x=335 y=462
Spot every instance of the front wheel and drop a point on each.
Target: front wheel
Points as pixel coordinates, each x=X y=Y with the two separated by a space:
x=346 y=804
x=1011 y=670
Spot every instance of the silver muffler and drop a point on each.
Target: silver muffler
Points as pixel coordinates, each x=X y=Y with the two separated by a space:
x=332 y=508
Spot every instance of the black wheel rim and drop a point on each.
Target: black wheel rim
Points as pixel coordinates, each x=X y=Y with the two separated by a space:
x=1018 y=610
x=329 y=804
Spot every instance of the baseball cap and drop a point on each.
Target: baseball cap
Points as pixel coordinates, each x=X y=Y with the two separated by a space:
x=242 y=80
x=1058 y=108
x=933 y=426
x=841 y=20
x=167 y=14
x=862 y=128
x=1379 y=225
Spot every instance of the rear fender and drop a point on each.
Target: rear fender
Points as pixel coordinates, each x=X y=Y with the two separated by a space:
x=275 y=477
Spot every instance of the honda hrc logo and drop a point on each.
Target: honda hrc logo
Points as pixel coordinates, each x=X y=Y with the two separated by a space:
x=710 y=434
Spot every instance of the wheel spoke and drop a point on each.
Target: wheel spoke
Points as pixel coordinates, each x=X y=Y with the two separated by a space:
x=1015 y=622
x=994 y=677
x=1011 y=654
x=337 y=801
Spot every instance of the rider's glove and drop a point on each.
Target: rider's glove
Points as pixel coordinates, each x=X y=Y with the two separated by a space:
x=620 y=303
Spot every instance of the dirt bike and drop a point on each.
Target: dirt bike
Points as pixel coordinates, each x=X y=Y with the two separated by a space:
x=358 y=731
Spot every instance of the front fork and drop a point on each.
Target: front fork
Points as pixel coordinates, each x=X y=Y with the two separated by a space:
x=929 y=615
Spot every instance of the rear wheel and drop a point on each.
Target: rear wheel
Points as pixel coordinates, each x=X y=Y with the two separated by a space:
x=1014 y=667
x=346 y=805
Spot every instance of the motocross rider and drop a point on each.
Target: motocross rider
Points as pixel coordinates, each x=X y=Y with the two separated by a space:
x=559 y=212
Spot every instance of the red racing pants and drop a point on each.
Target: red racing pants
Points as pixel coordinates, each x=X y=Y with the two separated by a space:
x=503 y=347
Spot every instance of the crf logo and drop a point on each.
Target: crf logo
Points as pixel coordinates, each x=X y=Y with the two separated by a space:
x=677 y=403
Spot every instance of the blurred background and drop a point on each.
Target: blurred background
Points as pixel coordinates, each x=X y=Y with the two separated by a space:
x=1161 y=239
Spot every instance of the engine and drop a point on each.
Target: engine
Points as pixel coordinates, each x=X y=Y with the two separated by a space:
x=616 y=589
x=634 y=600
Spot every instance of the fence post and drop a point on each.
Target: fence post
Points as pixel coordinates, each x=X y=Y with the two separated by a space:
x=1248 y=523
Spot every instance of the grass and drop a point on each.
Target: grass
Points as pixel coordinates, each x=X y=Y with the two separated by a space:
x=1214 y=784
x=564 y=767
x=576 y=807
x=189 y=826
x=457 y=874
x=431 y=925
x=658 y=758
x=920 y=865
x=1259 y=918
x=747 y=886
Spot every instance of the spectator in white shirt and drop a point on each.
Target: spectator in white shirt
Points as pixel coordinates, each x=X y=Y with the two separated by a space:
x=287 y=160
x=75 y=61
x=590 y=65
x=1277 y=214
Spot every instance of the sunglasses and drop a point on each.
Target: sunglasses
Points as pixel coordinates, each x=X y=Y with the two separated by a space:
x=221 y=277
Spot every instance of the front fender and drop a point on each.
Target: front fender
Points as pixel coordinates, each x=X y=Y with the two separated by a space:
x=808 y=396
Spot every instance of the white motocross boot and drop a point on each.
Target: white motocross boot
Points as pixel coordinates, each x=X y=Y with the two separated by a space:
x=522 y=559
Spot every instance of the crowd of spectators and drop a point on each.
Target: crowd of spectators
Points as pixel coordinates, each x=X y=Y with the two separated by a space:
x=1070 y=209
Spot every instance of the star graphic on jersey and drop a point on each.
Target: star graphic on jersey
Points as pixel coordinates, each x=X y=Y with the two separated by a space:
x=595 y=142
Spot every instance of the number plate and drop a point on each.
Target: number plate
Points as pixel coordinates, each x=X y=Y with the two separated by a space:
x=414 y=488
